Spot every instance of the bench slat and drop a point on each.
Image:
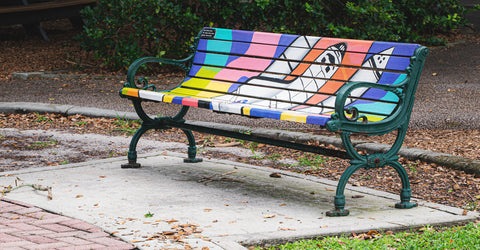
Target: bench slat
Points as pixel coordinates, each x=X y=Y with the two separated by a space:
x=182 y=97
x=255 y=37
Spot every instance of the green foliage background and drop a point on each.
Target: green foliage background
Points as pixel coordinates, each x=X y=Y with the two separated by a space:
x=119 y=31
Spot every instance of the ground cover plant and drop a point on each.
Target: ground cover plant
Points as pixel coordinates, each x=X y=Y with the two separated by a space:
x=457 y=237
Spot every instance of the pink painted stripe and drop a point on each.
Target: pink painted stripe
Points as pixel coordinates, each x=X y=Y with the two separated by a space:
x=190 y=102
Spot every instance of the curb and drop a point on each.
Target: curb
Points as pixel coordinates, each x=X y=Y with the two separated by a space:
x=469 y=166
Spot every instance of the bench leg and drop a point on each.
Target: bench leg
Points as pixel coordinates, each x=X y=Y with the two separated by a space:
x=192 y=148
x=406 y=192
x=377 y=160
x=339 y=200
x=132 y=151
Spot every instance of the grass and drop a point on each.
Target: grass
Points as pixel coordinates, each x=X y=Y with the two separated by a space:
x=41 y=118
x=129 y=127
x=40 y=145
x=456 y=237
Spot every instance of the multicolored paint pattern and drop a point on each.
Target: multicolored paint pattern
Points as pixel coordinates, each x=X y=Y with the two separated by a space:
x=287 y=77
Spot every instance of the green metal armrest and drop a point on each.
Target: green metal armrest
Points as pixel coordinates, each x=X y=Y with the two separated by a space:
x=184 y=64
x=341 y=122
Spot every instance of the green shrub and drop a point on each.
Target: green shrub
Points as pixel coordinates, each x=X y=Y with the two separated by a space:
x=119 y=31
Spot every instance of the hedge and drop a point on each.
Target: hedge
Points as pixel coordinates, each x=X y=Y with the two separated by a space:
x=119 y=31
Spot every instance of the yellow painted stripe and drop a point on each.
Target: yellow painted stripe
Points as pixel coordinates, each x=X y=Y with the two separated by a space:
x=246 y=111
x=293 y=117
x=375 y=118
x=168 y=98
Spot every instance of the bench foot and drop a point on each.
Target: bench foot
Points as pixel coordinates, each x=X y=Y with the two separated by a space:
x=131 y=165
x=339 y=203
x=338 y=212
x=192 y=148
x=405 y=195
x=194 y=160
x=406 y=205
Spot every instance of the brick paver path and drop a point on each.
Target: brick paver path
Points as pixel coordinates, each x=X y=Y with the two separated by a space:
x=24 y=226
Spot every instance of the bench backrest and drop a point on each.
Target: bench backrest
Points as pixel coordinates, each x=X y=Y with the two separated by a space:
x=297 y=73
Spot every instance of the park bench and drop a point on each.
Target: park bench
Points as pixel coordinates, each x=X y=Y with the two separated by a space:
x=31 y=12
x=343 y=85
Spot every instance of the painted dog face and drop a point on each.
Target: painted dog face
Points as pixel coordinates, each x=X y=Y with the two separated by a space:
x=333 y=55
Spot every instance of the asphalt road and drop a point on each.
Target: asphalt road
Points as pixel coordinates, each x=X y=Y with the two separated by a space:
x=447 y=96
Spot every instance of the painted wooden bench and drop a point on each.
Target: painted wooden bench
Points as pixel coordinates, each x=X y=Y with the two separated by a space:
x=31 y=12
x=344 y=85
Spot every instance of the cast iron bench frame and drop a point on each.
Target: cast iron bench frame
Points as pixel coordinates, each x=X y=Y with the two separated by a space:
x=345 y=120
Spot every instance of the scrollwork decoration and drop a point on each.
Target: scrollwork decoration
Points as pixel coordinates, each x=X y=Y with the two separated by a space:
x=143 y=82
x=354 y=115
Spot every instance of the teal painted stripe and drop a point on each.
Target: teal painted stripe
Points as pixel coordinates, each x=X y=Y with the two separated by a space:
x=216 y=59
x=223 y=34
x=390 y=97
x=376 y=108
x=219 y=46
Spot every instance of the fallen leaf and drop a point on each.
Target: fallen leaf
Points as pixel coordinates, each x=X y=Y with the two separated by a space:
x=207 y=210
x=269 y=216
x=231 y=144
x=434 y=74
x=283 y=204
x=79 y=196
x=357 y=196
x=372 y=232
x=171 y=221
x=102 y=176
x=286 y=229
x=275 y=175
x=465 y=212
x=328 y=189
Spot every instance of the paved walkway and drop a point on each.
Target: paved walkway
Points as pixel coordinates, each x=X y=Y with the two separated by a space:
x=23 y=226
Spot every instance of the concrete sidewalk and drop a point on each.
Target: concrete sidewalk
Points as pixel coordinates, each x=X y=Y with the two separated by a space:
x=215 y=204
